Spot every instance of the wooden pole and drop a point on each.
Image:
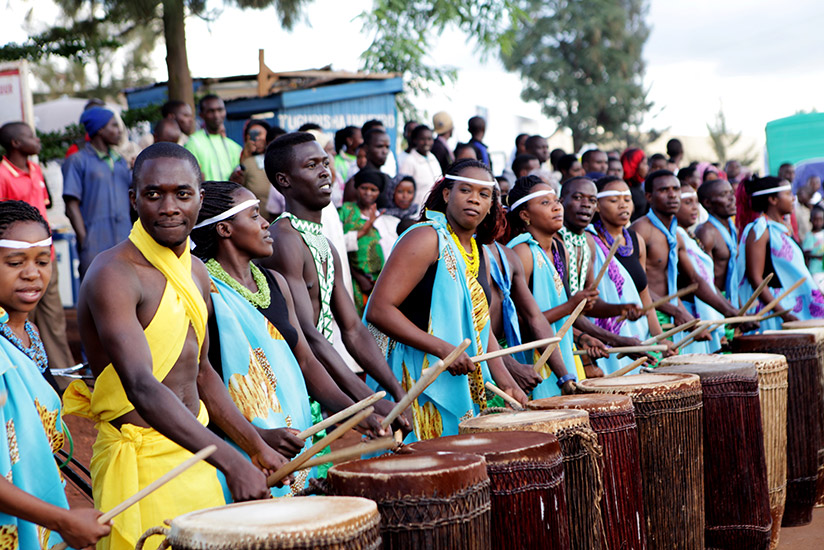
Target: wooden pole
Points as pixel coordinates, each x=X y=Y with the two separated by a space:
x=610 y=255
x=515 y=349
x=622 y=371
x=560 y=335
x=627 y=349
x=350 y=452
x=342 y=415
x=505 y=396
x=661 y=301
x=663 y=335
x=783 y=295
x=754 y=297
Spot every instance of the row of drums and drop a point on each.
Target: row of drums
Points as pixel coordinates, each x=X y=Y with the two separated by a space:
x=706 y=451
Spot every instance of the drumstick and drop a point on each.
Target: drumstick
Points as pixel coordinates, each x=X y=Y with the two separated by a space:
x=299 y=460
x=664 y=335
x=341 y=415
x=661 y=301
x=539 y=364
x=611 y=254
x=774 y=314
x=150 y=488
x=627 y=349
x=622 y=371
x=727 y=321
x=515 y=349
x=755 y=294
x=783 y=295
x=503 y=395
x=353 y=451
x=427 y=377
x=690 y=337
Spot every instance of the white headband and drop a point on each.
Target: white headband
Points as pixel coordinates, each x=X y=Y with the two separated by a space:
x=22 y=245
x=689 y=194
x=228 y=214
x=605 y=194
x=470 y=180
x=531 y=196
x=772 y=190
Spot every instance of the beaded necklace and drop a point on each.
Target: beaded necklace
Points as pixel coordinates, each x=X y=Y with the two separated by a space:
x=625 y=249
x=260 y=299
x=35 y=352
x=473 y=260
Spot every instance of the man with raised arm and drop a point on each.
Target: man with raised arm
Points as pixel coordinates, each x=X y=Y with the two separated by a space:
x=142 y=311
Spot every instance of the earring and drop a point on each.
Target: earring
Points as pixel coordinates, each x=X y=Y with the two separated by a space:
x=527 y=223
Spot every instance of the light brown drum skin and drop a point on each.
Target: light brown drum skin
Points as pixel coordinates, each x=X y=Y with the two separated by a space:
x=668 y=414
x=804 y=415
x=613 y=419
x=427 y=500
x=582 y=456
x=325 y=523
x=526 y=475
x=772 y=393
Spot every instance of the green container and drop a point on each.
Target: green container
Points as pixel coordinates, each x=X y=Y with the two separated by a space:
x=794 y=139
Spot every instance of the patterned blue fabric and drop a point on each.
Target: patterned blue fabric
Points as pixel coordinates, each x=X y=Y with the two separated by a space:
x=672 y=242
x=503 y=279
x=703 y=265
x=730 y=235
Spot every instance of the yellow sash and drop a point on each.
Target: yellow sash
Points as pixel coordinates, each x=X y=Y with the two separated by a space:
x=182 y=304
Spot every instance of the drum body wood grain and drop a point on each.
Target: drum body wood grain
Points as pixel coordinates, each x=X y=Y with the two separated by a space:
x=668 y=414
x=613 y=419
x=582 y=456
x=803 y=416
x=438 y=501
x=526 y=476
x=325 y=523
x=736 y=497
x=772 y=393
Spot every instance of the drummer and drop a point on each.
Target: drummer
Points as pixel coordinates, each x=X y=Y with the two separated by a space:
x=719 y=236
x=34 y=511
x=431 y=295
x=768 y=247
x=256 y=344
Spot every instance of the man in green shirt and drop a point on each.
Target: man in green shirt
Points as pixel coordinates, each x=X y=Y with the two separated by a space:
x=217 y=155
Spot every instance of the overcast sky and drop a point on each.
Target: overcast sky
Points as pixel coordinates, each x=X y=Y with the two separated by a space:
x=761 y=59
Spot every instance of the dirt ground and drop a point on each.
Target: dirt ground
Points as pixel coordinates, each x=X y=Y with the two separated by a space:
x=807 y=537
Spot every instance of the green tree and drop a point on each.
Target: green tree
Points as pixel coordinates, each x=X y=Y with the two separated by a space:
x=722 y=140
x=581 y=61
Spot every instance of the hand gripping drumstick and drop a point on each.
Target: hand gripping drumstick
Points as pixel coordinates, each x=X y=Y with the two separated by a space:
x=427 y=377
x=515 y=349
x=622 y=371
x=539 y=364
x=610 y=255
x=341 y=415
x=627 y=349
x=350 y=452
x=664 y=335
x=150 y=488
x=503 y=395
x=297 y=462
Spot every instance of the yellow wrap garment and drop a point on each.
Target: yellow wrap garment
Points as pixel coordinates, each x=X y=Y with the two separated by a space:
x=126 y=460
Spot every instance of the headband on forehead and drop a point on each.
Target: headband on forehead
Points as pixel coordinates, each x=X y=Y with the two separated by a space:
x=470 y=180
x=688 y=194
x=613 y=193
x=228 y=214
x=23 y=245
x=772 y=190
x=531 y=196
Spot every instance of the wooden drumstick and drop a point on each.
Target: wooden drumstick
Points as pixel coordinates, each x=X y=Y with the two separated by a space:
x=774 y=314
x=627 y=349
x=781 y=296
x=515 y=349
x=664 y=335
x=427 y=377
x=690 y=337
x=610 y=255
x=341 y=415
x=301 y=459
x=505 y=396
x=755 y=294
x=539 y=364
x=150 y=488
x=622 y=371
x=350 y=452
x=712 y=324
x=661 y=301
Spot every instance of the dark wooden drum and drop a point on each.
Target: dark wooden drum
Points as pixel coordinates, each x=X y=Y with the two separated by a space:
x=582 y=456
x=736 y=497
x=804 y=422
x=526 y=476
x=328 y=523
x=668 y=414
x=772 y=393
x=613 y=420
x=437 y=501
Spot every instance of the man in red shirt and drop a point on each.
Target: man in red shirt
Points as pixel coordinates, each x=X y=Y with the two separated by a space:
x=21 y=179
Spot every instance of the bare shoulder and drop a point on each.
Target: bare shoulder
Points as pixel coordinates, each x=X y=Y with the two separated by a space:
x=642 y=226
x=113 y=273
x=200 y=275
x=513 y=259
x=288 y=247
x=418 y=241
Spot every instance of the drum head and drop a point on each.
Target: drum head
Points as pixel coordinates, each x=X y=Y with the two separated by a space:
x=489 y=444
x=708 y=371
x=288 y=520
x=637 y=385
x=588 y=402
x=536 y=421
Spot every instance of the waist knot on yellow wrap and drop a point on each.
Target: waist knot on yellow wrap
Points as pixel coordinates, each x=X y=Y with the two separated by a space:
x=127 y=459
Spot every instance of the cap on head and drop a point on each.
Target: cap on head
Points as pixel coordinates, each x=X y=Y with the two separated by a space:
x=442 y=122
x=94 y=119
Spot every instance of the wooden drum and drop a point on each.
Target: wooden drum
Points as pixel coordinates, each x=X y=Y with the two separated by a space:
x=772 y=392
x=526 y=476
x=804 y=395
x=331 y=523
x=428 y=500
x=582 y=456
x=668 y=414
x=736 y=497
x=613 y=420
